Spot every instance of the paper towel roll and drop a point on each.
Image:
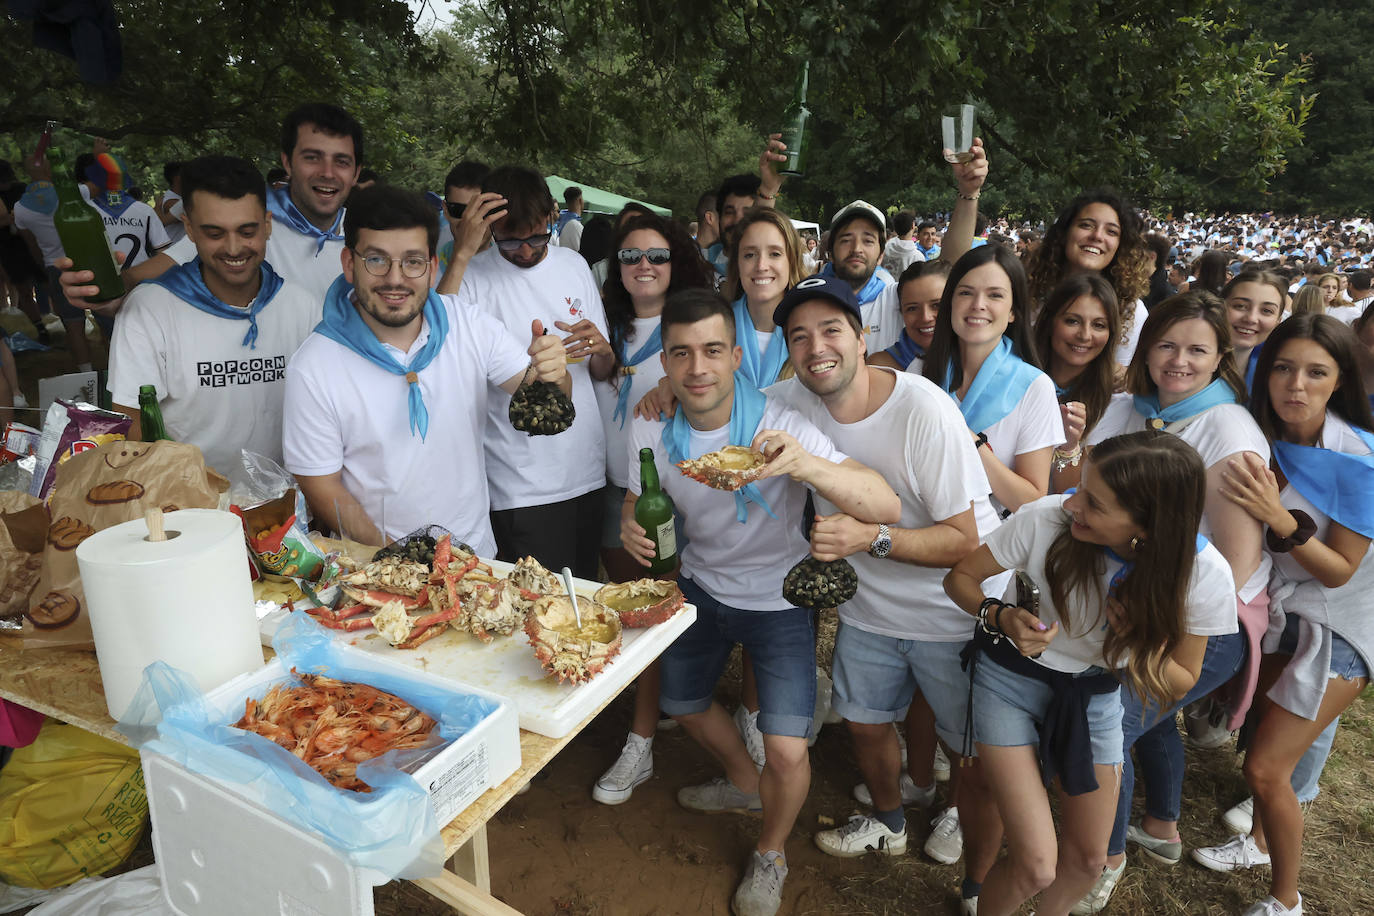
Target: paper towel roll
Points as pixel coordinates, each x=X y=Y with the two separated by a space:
x=186 y=601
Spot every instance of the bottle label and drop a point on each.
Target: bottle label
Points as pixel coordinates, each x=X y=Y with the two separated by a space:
x=667 y=541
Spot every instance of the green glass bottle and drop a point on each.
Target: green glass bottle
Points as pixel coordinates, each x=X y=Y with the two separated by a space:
x=654 y=513
x=82 y=232
x=150 y=415
x=794 y=120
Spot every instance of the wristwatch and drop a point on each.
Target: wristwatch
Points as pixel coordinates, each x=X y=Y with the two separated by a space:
x=882 y=544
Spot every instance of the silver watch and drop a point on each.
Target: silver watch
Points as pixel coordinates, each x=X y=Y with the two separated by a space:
x=882 y=544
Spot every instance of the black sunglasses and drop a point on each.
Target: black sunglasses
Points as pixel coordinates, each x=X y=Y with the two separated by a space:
x=454 y=208
x=632 y=256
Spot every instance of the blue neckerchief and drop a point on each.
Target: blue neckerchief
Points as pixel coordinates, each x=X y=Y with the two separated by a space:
x=565 y=217
x=905 y=350
x=880 y=280
x=1147 y=405
x=1250 y=365
x=40 y=197
x=652 y=345
x=282 y=207
x=1059 y=391
x=1000 y=385
x=343 y=324
x=1127 y=565
x=1340 y=485
x=760 y=368
x=115 y=208
x=931 y=253
x=745 y=414
x=186 y=283
x=717 y=258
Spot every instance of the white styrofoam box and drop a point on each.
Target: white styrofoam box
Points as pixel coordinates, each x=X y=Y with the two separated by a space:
x=207 y=835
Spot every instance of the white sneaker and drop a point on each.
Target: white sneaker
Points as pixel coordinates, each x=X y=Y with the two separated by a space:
x=1205 y=722
x=912 y=794
x=946 y=841
x=1095 y=900
x=941 y=765
x=968 y=906
x=1238 y=852
x=634 y=766
x=1241 y=818
x=1271 y=907
x=862 y=834
x=760 y=891
x=748 y=724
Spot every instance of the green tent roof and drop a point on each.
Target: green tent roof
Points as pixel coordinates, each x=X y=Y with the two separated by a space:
x=596 y=200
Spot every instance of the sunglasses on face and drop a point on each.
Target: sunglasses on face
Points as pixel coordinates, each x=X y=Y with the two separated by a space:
x=454 y=208
x=534 y=241
x=632 y=256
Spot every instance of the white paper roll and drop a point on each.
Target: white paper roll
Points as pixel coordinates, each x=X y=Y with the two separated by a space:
x=187 y=601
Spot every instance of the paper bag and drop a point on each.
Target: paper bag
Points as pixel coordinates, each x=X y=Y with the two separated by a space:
x=23 y=528
x=96 y=490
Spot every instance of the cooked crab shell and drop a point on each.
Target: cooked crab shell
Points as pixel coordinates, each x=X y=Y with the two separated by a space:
x=728 y=468
x=490 y=609
x=389 y=574
x=641 y=603
x=567 y=651
x=530 y=575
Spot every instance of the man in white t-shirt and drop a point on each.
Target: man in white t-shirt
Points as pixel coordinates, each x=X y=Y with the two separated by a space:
x=213 y=335
x=900 y=632
x=901 y=251
x=569 y=225
x=386 y=402
x=170 y=206
x=739 y=547
x=545 y=490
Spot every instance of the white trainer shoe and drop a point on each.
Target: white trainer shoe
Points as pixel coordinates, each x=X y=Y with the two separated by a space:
x=862 y=834
x=1271 y=907
x=1238 y=852
x=748 y=724
x=946 y=841
x=634 y=766
x=1240 y=819
x=912 y=794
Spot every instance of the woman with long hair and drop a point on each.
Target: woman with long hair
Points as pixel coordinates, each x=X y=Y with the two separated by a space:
x=1116 y=586
x=1316 y=500
x=981 y=354
x=1073 y=334
x=1098 y=232
x=765 y=262
x=1209 y=271
x=653 y=257
x=1184 y=381
x=1255 y=301
x=1309 y=299
x=919 y=290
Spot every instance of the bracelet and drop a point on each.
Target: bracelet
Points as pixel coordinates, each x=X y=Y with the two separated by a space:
x=1306 y=528
x=990 y=628
x=980 y=440
x=1064 y=460
x=962 y=196
x=763 y=196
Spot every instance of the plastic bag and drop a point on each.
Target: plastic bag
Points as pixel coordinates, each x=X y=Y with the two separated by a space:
x=389 y=833
x=260 y=479
x=134 y=893
x=71 y=805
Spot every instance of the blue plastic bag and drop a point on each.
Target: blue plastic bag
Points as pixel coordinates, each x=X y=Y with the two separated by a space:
x=389 y=833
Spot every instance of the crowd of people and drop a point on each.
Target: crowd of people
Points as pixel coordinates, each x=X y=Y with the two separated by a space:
x=1089 y=475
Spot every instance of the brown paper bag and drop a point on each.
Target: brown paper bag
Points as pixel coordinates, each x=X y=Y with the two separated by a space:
x=23 y=529
x=96 y=490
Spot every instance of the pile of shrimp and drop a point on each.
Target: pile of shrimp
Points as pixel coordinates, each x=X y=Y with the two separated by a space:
x=334 y=725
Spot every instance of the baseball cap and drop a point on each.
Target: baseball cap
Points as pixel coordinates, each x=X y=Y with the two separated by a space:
x=859 y=208
x=831 y=289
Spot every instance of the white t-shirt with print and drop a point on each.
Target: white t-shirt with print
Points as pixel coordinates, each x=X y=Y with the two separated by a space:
x=136 y=231
x=882 y=320
x=345 y=413
x=644 y=379
x=525 y=470
x=740 y=565
x=1216 y=434
x=918 y=442
x=214 y=392
x=1024 y=540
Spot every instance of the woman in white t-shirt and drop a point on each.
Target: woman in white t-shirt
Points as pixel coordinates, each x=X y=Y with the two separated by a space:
x=1122 y=585
x=1255 y=300
x=1317 y=502
x=981 y=354
x=652 y=257
x=1098 y=232
x=1072 y=335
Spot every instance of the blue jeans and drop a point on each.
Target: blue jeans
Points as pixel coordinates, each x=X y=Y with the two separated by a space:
x=1157 y=743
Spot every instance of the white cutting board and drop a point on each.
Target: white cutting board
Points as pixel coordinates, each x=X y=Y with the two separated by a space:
x=506 y=666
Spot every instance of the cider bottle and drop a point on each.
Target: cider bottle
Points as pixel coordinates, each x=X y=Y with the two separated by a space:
x=82 y=232
x=150 y=415
x=654 y=513
x=794 y=119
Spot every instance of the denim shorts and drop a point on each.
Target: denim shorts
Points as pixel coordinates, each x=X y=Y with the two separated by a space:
x=1008 y=707
x=1345 y=661
x=781 y=644
x=876 y=677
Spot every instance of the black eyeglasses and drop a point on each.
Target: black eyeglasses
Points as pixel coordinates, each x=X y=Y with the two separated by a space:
x=379 y=265
x=454 y=208
x=632 y=256
x=534 y=241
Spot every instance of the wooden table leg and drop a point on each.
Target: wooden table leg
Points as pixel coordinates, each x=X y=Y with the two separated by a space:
x=471 y=862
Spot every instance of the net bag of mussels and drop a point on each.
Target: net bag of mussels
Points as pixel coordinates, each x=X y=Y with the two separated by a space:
x=817 y=584
x=541 y=409
x=418 y=546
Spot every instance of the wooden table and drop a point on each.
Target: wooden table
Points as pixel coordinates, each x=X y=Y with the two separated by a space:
x=65 y=684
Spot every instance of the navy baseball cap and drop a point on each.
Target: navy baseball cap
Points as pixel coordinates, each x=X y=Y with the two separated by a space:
x=831 y=289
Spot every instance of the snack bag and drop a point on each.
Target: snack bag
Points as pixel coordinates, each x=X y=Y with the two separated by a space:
x=95 y=490
x=70 y=429
x=278 y=540
x=19 y=441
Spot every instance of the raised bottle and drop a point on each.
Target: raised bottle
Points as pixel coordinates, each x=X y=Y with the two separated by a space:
x=794 y=120
x=654 y=513
x=150 y=415
x=82 y=232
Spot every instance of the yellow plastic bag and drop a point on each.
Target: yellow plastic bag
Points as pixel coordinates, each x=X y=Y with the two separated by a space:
x=72 y=805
